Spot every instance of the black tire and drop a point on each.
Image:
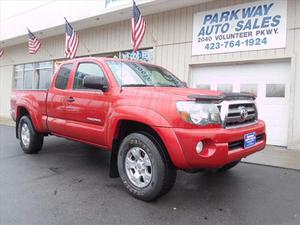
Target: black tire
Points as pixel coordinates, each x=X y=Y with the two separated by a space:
x=36 y=139
x=228 y=166
x=163 y=173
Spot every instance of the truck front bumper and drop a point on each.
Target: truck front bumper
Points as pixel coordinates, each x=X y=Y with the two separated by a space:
x=220 y=146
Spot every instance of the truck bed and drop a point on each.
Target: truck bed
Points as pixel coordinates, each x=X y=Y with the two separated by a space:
x=34 y=101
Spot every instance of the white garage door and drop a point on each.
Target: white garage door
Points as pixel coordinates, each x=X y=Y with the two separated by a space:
x=269 y=81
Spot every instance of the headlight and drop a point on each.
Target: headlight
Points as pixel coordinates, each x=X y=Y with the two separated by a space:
x=198 y=113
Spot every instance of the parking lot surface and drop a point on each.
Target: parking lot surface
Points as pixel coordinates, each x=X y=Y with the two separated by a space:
x=68 y=183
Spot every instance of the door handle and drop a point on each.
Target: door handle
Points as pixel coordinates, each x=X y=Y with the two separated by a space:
x=70 y=99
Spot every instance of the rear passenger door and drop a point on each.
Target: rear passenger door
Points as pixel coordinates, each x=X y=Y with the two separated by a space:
x=56 y=100
x=86 y=109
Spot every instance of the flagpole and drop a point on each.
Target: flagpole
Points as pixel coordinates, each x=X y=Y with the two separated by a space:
x=88 y=50
x=153 y=38
x=84 y=45
x=51 y=56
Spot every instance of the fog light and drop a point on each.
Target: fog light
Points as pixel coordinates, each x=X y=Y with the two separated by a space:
x=199 y=147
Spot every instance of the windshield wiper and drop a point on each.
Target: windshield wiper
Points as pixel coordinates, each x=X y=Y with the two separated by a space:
x=166 y=85
x=137 y=85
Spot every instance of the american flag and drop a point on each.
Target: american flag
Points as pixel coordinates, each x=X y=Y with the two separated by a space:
x=72 y=41
x=1 y=52
x=33 y=43
x=138 y=26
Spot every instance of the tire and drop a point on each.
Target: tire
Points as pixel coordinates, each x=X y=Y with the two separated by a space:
x=228 y=166
x=144 y=167
x=31 y=141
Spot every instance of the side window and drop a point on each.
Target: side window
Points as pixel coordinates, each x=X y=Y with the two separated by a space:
x=63 y=76
x=86 y=69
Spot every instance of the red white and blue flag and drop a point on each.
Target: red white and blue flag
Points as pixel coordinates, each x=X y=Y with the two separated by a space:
x=33 y=43
x=72 y=41
x=138 y=26
x=1 y=52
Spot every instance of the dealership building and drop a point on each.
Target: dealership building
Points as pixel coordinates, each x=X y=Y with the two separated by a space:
x=227 y=45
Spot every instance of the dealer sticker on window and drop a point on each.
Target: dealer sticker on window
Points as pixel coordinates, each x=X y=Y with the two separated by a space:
x=249 y=140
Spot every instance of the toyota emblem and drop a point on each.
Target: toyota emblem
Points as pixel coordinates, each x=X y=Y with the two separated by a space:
x=243 y=113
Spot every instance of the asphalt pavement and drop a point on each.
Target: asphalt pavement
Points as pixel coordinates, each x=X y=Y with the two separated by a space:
x=68 y=183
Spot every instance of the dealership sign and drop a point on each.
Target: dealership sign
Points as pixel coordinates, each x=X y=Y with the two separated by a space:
x=245 y=27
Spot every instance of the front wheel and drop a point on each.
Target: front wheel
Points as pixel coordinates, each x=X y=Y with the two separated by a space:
x=30 y=140
x=144 y=167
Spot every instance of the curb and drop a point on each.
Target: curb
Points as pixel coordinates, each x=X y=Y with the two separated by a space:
x=269 y=165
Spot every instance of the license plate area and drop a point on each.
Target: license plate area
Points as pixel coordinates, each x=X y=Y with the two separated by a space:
x=249 y=140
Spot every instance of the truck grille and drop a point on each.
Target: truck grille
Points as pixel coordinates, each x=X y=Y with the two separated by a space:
x=240 y=114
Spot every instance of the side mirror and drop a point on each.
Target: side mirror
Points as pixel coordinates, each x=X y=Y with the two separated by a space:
x=184 y=84
x=95 y=82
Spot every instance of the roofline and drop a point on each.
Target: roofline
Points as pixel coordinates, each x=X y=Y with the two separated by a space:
x=111 y=16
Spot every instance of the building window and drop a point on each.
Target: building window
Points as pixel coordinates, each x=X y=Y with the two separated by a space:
x=275 y=90
x=225 y=87
x=43 y=74
x=203 y=86
x=33 y=76
x=145 y=55
x=18 y=77
x=249 y=88
x=28 y=76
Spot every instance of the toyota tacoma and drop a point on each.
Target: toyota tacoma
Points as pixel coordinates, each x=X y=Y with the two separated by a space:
x=152 y=123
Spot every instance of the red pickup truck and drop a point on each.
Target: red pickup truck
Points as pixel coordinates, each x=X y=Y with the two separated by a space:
x=149 y=120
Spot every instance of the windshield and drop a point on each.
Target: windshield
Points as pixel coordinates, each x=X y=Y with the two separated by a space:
x=139 y=75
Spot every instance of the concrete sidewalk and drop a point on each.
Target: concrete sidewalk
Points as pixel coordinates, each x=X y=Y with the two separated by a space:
x=6 y=121
x=277 y=157
x=271 y=156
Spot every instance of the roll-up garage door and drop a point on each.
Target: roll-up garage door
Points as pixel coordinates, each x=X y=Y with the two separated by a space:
x=269 y=81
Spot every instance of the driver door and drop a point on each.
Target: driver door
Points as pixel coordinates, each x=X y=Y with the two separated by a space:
x=86 y=109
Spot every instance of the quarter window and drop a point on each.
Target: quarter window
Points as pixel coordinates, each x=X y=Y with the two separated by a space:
x=86 y=69
x=63 y=76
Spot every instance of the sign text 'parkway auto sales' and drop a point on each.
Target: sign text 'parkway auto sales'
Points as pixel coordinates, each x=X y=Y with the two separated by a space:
x=245 y=27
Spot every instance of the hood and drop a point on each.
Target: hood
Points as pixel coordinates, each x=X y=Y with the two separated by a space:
x=170 y=92
x=150 y=97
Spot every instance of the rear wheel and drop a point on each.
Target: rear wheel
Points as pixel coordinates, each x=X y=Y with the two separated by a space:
x=144 y=169
x=31 y=141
